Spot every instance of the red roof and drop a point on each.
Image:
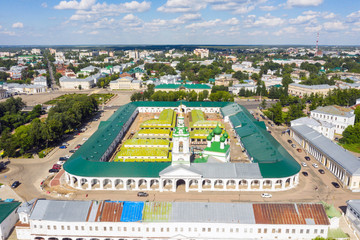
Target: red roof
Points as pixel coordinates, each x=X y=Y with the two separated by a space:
x=290 y=214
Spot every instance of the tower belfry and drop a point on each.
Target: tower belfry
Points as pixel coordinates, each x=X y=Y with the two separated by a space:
x=181 y=141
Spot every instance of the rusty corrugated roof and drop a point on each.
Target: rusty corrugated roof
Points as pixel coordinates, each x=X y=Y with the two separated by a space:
x=290 y=214
x=111 y=212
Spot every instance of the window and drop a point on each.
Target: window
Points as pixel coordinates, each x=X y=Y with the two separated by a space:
x=76 y=228
x=322 y=231
x=265 y=230
x=48 y=227
x=293 y=231
x=273 y=230
x=237 y=230
x=40 y=226
x=62 y=227
x=110 y=228
x=203 y=229
x=217 y=230
x=307 y=231
x=34 y=226
x=147 y=229
x=104 y=228
x=189 y=229
x=82 y=228
x=68 y=227
x=223 y=230
x=231 y=230
x=279 y=230
x=245 y=230
x=181 y=229
x=315 y=231
x=96 y=228
x=90 y=228
x=251 y=230
x=161 y=229
x=259 y=230
x=287 y=230
x=125 y=229
x=301 y=231
x=209 y=229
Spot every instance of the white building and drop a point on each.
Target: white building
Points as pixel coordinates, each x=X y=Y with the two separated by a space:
x=4 y=93
x=235 y=89
x=353 y=215
x=8 y=218
x=341 y=163
x=74 y=83
x=341 y=117
x=125 y=83
x=202 y=52
x=41 y=80
x=35 y=51
x=325 y=128
x=15 y=88
x=86 y=220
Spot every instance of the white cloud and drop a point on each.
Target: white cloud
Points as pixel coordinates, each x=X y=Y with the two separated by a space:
x=329 y=15
x=0 y=27
x=269 y=21
x=286 y=30
x=302 y=19
x=303 y=3
x=94 y=33
x=175 y=6
x=44 y=5
x=73 y=4
x=190 y=17
x=103 y=9
x=313 y=29
x=9 y=33
x=268 y=8
x=334 y=26
x=213 y=23
x=257 y=33
x=18 y=25
x=235 y=6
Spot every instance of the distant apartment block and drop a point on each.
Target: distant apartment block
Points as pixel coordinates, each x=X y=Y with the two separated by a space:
x=202 y=52
x=301 y=90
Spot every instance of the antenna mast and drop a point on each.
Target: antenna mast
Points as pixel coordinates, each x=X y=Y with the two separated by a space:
x=317 y=44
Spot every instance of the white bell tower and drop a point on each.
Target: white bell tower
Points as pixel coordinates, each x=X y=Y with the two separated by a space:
x=181 y=142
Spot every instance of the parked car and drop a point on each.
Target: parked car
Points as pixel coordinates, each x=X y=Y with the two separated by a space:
x=293 y=145
x=77 y=147
x=85 y=139
x=15 y=184
x=53 y=170
x=63 y=158
x=62 y=147
x=335 y=184
x=72 y=150
x=60 y=162
x=142 y=194
x=321 y=171
x=307 y=158
x=289 y=141
x=315 y=165
x=269 y=132
x=65 y=144
x=266 y=195
x=304 y=164
x=56 y=166
x=305 y=174
x=299 y=150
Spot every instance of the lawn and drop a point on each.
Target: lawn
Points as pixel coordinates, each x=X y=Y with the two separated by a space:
x=337 y=233
x=104 y=97
x=355 y=147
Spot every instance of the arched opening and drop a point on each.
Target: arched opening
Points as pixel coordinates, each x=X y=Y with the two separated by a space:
x=142 y=184
x=107 y=184
x=267 y=184
x=278 y=183
x=39 y=238
x=119 y=184
x=52 y=238
x=74 y=180
x=167 y=184
x=154 y=184
x=255 y=184
x=84 y=183
x=243 y=184
x=180 y=185
x=219 y=184
x=230 y=184
x=130 y=184
x=287 y=182
x=95 y=183
x=206 y=184
x=193 y=184
x=66 y=239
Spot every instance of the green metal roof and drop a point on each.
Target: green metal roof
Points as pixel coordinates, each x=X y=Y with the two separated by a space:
x=274 y=161
x=168 y=86
x=178 y=86
x=6 y=208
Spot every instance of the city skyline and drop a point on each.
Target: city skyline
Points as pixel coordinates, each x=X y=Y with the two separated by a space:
x=230 y=22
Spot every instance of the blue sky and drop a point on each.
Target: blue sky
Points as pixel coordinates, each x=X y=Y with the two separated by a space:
x=55 y=22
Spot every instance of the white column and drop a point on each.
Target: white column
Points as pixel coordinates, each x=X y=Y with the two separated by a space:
x=89 y=183
x=236 y=184
x=186 y=185
x=283 y=182
x=136 y=184
x=273 y=182
x=225 y=184
x=113 y=184
x=248 y=184
x=261 y=184
x=71 y=181
x=79 y=183
x=212 y=182
x=161 y=185
x=200 y=185
x=148 y=184
x=173 y=185
x=101 y=184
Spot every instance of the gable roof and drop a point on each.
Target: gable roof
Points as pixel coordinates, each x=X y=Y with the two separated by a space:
x=6 y=208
